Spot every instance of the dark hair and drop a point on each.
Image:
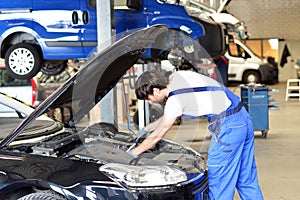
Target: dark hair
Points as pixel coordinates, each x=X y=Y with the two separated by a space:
x=147 y=81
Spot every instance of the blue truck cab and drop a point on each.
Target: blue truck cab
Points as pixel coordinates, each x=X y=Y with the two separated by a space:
x=176 y=15
x=43 y=34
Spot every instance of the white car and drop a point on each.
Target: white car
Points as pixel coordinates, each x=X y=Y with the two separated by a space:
x=11 y=107
x=25 y=90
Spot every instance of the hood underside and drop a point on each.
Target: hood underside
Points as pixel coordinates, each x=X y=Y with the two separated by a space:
x=94 y=80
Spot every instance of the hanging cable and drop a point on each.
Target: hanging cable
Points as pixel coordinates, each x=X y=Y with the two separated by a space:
x=126 y=105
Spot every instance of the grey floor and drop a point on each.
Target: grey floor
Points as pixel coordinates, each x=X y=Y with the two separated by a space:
x=276 y=156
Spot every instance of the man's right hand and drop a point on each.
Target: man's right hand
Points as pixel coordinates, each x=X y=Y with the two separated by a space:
x=141 y=134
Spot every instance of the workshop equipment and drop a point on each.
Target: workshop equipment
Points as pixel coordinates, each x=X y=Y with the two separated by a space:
x=256 y=100
x=292 y=89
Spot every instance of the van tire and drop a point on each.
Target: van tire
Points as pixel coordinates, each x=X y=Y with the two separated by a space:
x=251 y=77
x=54 y=68
x=23 y=61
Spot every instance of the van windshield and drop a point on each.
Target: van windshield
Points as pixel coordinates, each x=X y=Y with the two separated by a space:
x=237 y=50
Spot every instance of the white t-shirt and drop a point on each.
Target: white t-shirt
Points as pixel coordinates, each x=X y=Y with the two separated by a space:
x=195 y=103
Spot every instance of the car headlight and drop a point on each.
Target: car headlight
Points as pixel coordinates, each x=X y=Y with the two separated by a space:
x=143 y=176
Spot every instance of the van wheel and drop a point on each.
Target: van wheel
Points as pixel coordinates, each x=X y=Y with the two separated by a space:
x=251 y=77
x=23 y=61
x=54 y=67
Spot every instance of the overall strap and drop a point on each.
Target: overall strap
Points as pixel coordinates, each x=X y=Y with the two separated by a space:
x=227 y=113
x=195 y=89
x=211 y=117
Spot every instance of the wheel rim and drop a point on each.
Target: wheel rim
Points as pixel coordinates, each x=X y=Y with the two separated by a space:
x=189 y=48
x=251 y=78
x=21 y=61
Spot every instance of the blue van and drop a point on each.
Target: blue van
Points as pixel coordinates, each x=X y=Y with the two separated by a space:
x=43 y=34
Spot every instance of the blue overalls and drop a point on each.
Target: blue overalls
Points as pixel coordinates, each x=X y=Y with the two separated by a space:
x=231 y=163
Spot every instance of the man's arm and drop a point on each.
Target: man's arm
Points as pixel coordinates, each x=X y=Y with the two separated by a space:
x=153 y=125
x=162 y=128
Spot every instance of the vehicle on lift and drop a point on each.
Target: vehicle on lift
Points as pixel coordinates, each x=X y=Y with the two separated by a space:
x=176 y=15
x=247 y=67
x=76 y=159
x=42 y=35
x=233 y=25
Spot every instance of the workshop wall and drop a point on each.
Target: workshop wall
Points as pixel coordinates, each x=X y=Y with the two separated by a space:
x=288 y=70
x=269 y=18
x=273 y=19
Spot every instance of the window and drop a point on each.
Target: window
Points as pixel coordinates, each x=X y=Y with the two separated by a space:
x=236 y=50
x=120 y=2
x=92 y=3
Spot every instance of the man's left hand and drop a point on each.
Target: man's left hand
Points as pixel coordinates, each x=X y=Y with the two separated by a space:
x=131 y=154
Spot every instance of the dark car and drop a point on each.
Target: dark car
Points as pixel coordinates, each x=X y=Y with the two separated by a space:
x=73 y=159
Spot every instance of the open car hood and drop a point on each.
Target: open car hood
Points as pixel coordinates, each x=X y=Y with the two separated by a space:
x=168 y=167
x=94 y=80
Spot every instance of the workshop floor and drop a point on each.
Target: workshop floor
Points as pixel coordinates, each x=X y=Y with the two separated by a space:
x=276 y=156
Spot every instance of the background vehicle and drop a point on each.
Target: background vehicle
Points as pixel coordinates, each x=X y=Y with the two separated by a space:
x=75 y=159
x=233 y=25
x=130 y=15
x=245 y=66
x=11 y=107
x=25 y=90
x=32 y=41
x=42 y=35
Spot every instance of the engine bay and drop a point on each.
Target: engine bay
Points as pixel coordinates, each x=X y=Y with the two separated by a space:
x=102 y=143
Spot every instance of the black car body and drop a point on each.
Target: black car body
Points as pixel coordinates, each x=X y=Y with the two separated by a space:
x=43 y=159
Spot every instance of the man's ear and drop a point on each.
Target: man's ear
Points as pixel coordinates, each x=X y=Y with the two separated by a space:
x=156 y=91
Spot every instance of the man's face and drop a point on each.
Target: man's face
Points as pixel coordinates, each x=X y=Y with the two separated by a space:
x=157 y=96
x=152 y=99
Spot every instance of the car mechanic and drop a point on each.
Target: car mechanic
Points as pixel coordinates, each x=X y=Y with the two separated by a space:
x=231 y=162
